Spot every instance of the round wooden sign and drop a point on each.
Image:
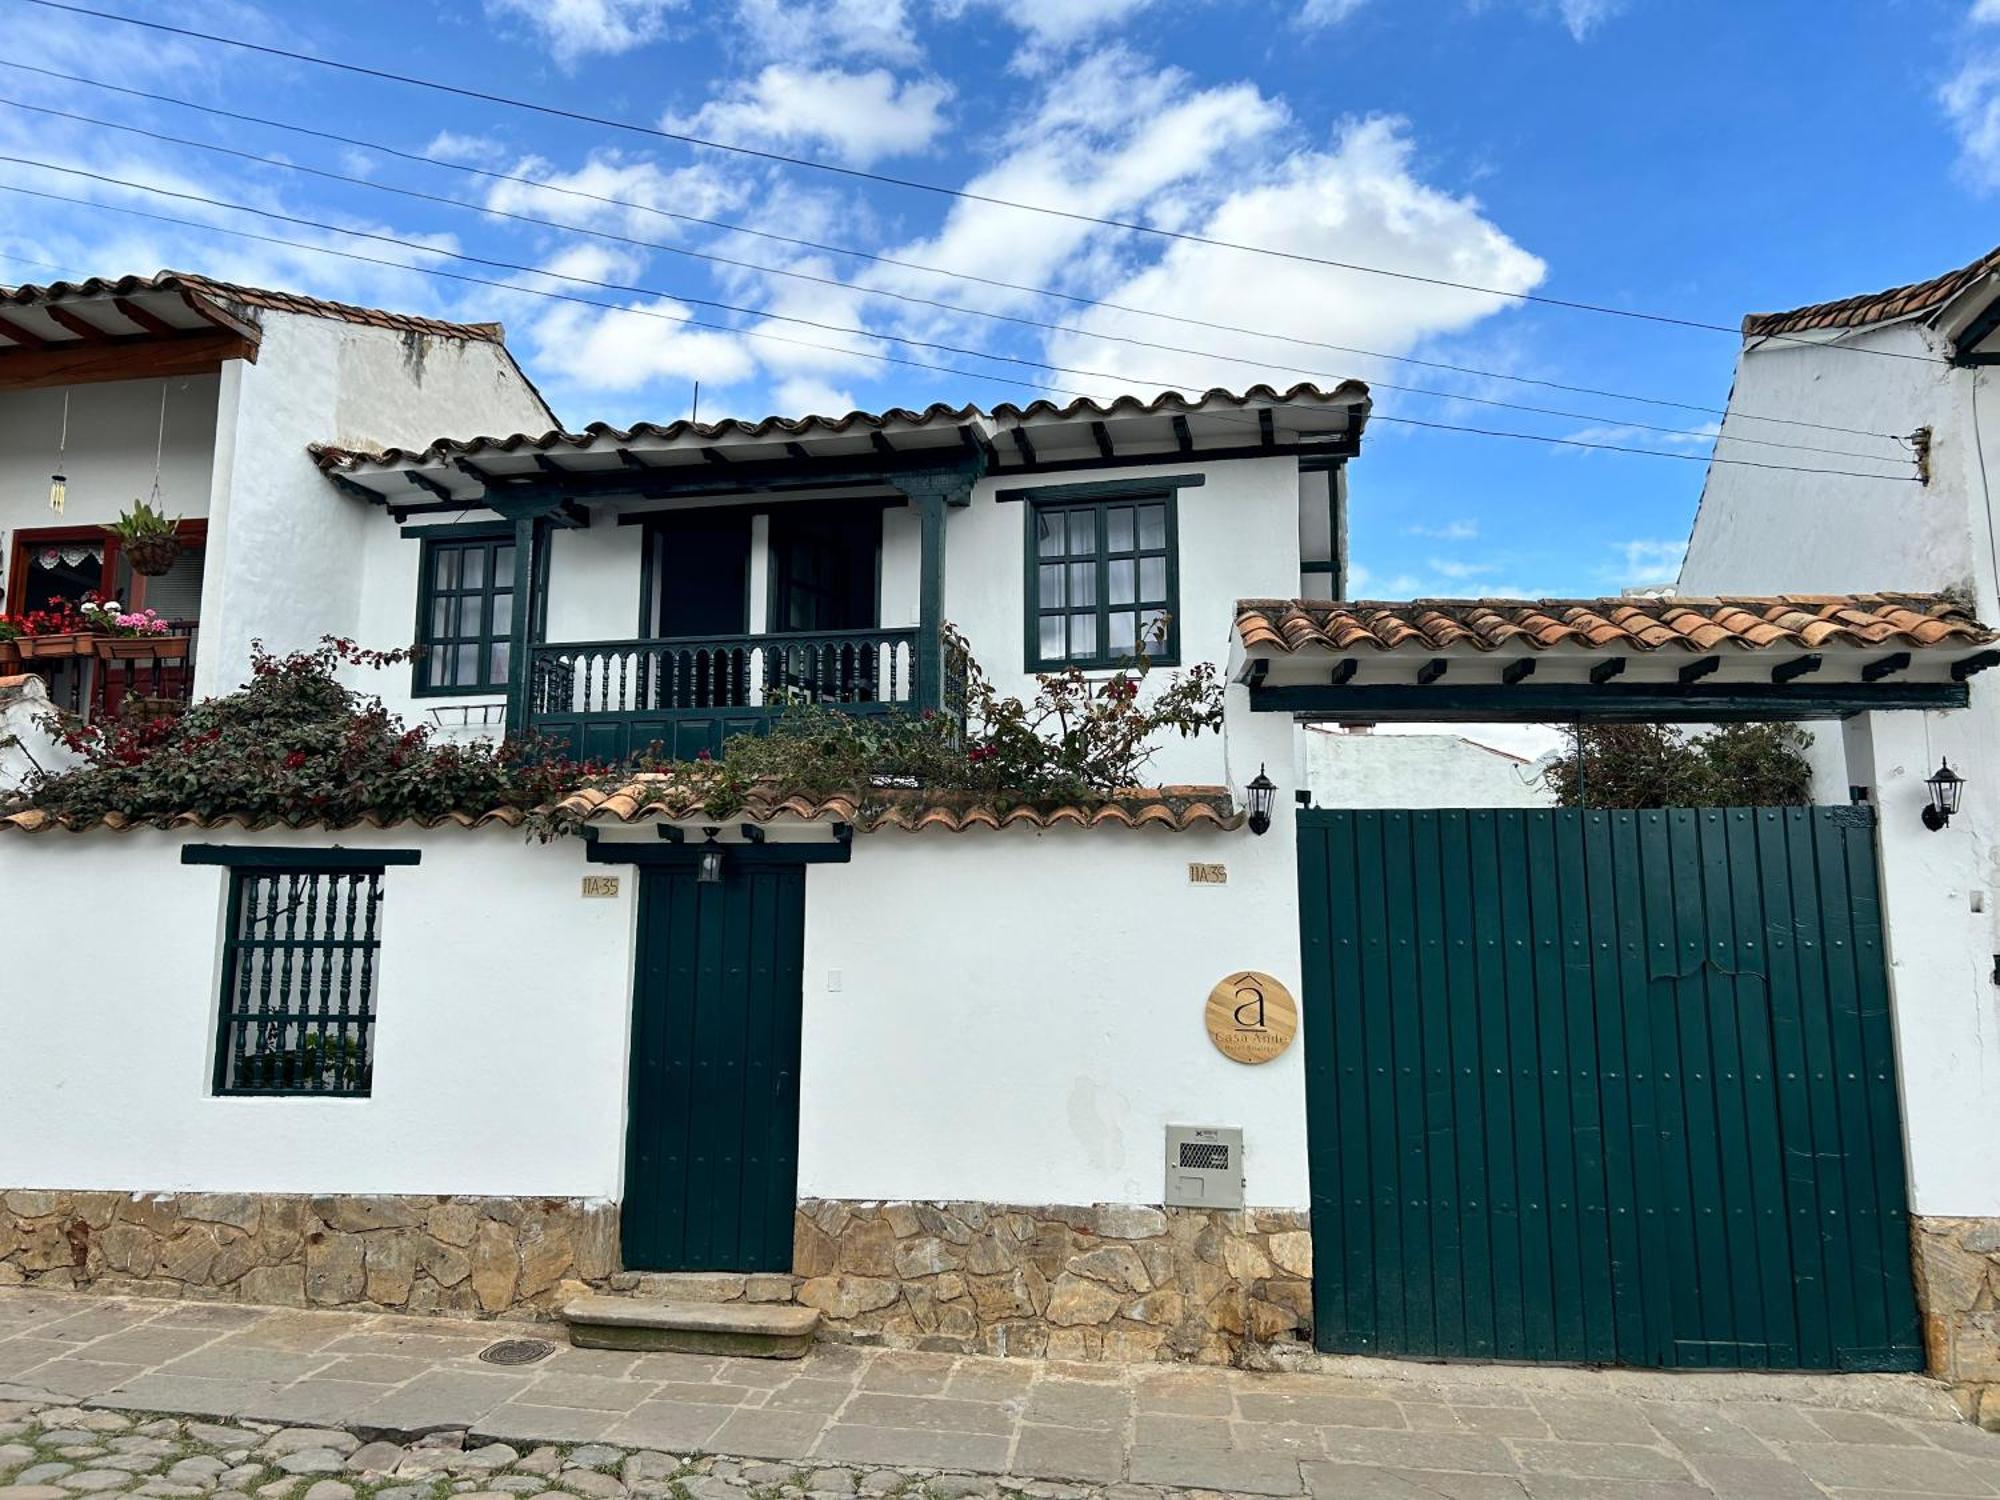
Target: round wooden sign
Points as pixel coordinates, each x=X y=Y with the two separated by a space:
x=1251 y=1017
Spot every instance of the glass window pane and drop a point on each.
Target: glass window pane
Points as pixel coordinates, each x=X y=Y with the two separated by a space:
x=454 y=611
x=1118 y=529
x=472 y=572
x=497 y=672
x=1082 y=583
x=1082 y=636
x=441 y=662
x=1120 y=581
x=1052 y=638
x=1049 y=533
x=1052 y=586
x=1152 y=526
x=440 y=619
x=1153 y=630
x=1122 y=625
x=1152 y=578
x=503 y=614
x=1082 y=533
x=444 y=568
x=503 y=563
x=468 y=664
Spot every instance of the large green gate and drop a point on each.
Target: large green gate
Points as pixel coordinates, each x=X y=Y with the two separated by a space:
x=1605 y=1087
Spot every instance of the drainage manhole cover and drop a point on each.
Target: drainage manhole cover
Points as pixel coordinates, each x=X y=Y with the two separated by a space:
x=517 y=1351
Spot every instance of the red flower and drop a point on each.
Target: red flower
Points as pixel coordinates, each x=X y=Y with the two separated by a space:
x=296 y=759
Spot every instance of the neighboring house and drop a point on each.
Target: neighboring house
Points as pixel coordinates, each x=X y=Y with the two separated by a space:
x=992 y=1077
x=216 y=389
x=1354 y=767
x=1916 y=361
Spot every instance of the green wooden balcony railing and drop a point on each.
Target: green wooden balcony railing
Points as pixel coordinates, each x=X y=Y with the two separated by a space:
x=605 y=700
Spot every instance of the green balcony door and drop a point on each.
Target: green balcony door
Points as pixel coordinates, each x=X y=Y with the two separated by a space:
x=712 y=1131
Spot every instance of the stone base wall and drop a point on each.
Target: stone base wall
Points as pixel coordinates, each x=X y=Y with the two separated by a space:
x=1114 y=1281
x=473 y=1256
x=1958 y=1292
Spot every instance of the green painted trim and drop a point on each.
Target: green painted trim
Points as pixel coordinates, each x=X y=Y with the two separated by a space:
x=344 y=861
x=527 y=532
x=489 y=537
x=456 y=531
x=1031 y=631
x=930 y=600
x=1634 y=703
x=1101 y=489
x=602 y=852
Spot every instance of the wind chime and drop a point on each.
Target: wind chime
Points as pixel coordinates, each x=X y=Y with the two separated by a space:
x=59 y=486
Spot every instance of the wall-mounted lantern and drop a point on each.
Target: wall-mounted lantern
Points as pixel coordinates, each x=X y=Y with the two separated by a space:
x=1946 y=787
x=708 y=863
x=1263 y=794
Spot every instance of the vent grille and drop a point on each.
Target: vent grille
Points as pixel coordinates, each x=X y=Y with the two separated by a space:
x=1201 y=1156
x=517 y=1351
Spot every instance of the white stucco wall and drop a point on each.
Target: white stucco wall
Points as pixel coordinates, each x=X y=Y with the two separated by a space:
x=1416 y=770
x=1760 y=531
x=114 y=433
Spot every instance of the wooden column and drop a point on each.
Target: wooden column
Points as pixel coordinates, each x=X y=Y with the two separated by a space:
x=932 y=491
x=527 y=606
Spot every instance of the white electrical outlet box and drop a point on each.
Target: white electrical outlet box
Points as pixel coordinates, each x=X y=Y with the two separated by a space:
x=1204 y=1166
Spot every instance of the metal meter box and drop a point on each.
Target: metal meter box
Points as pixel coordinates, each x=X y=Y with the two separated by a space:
x=1204 y=1166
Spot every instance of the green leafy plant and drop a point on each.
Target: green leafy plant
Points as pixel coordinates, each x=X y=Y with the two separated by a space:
x=142 y=522
x=1659 y=765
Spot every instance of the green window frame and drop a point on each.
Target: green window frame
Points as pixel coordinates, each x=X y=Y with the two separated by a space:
x=1100 y=572
x=465 y=614
x=300 y=943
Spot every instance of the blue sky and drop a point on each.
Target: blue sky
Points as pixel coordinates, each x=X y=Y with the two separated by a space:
x=1692 y=158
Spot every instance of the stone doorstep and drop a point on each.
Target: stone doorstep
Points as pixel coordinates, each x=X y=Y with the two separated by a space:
x=769 y=1330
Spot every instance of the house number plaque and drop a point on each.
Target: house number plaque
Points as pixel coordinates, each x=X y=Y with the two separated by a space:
x=1251 y=1017
x=600 y=885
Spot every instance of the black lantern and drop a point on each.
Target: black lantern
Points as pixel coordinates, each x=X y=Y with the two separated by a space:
x=1946 y=787
x=1263 y=793
x=708 y=863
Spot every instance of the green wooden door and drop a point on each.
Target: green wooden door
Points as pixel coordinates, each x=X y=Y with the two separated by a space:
x=711 y=1157
x=1605 y=1087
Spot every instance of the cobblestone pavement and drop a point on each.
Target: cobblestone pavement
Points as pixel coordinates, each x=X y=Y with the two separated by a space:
x=203 y=1401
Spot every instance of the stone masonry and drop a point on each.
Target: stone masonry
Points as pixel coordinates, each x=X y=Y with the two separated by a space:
x=1113 y=1281
x=1958 y=1291
x=480 y=1256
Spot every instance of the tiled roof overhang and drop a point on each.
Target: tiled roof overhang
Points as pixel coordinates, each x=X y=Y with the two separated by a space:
x=646 y=802
x=615 y=462
x=1916 y=299
x=1779 y=656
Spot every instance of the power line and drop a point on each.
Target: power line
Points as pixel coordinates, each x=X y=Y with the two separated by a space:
x=691 y=321
x=917 y=185
x=622 y=239
x=867 y=255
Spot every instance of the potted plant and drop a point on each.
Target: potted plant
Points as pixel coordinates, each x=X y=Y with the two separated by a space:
x=130 y=635
x=150 y=539
x=10 y=654
x=60 y=630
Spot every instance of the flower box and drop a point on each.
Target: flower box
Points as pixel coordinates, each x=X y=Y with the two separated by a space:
x=141 y=647
x=64 y=643
x=10 y=658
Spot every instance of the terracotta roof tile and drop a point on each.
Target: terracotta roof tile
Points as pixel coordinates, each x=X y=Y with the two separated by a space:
x=646 y=799
x=246 y=296
x=1874 y=307
x=1691 y=624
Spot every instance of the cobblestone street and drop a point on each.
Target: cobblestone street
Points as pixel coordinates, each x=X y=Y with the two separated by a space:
x=192 y=1401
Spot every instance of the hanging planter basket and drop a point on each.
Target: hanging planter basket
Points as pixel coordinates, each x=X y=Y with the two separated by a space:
x=153 y=555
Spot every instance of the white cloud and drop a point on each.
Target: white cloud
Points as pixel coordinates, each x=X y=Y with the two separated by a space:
x=700 y=191
x=1985 y=13
x=1971 y=100
x=802 y=396
x=1328 y=12
x=1462 y=530
x=1583 y=16
x=860 y=117
x=1579 y=17
x=575 y=29
x=449 y=145
x=1646 y=562
x=593 y=350
x=1360 y=202
x=880 y=30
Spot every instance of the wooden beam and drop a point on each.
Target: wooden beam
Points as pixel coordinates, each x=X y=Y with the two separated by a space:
x=1021 y=444
x=798 y=451
x=1267 y=426
x=1875 y=671
x=424 y=481
x=1566 y=702
x=22 y=337
x=1518 y=670
x=216 y=318
x=147 y=359
x=549 y=466
x=632 y=460
x=1343 y=671
x=486 y=477
x=151 y=322
x=1103 y=435
x=1960 y=670
x=879 y=441
x=1431 y=671
x=1605 y=670
x=1260 y=668
x=753 y=833
x=83 y=328
x=715 y=456
x=672 y=834
x=1797 y=667
x=978 y=442
x=1694 y=671
x=1183 y=434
